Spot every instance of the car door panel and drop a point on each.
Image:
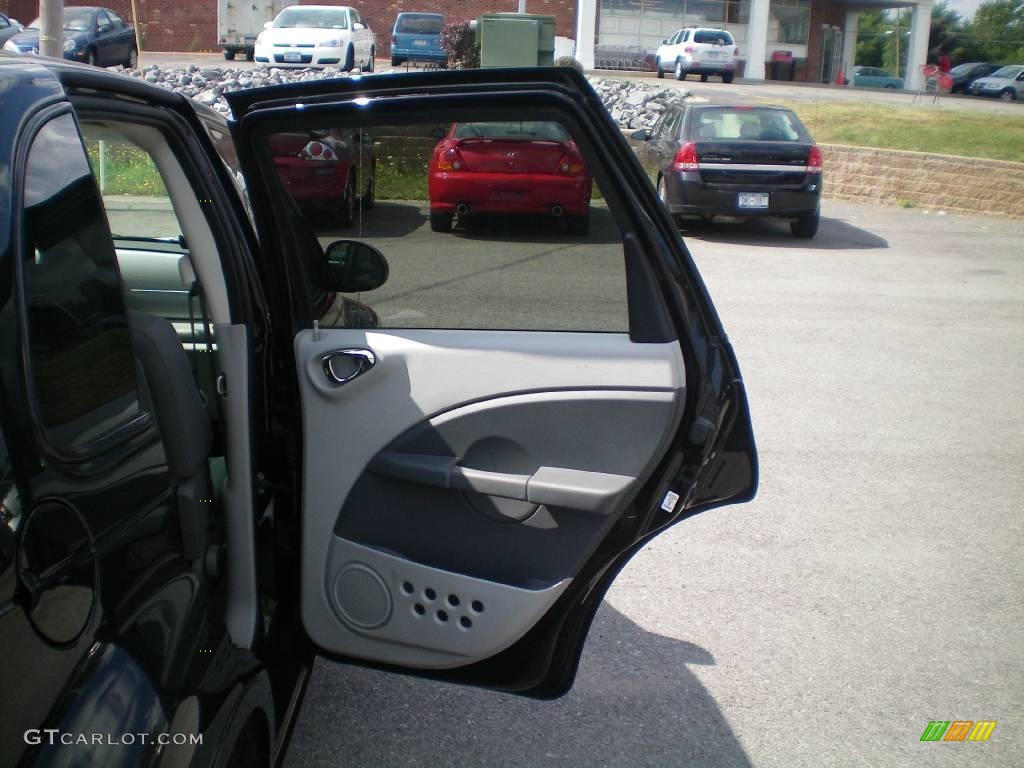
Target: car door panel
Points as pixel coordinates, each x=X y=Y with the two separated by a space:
x=487 y=466
x=467 y=495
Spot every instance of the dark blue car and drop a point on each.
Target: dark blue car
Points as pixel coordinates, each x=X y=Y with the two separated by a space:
x=417 y=37
x=91 y=35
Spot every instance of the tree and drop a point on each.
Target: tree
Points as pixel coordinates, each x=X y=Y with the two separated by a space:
x=946 y=32
x=872 y=30
x=997 y=31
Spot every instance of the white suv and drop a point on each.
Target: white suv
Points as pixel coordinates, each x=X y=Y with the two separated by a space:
x=700 y=51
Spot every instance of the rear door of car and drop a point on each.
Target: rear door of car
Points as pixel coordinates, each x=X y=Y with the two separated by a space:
x=530 y=409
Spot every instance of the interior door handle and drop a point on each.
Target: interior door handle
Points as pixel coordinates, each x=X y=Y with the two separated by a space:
x=343 y=365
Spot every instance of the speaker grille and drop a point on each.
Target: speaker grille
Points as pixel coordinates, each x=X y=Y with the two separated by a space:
x=362 y=597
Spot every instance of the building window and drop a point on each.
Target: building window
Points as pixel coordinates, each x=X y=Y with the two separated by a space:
x=791 y=21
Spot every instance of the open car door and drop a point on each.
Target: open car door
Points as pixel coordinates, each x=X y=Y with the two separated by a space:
x=541 y=386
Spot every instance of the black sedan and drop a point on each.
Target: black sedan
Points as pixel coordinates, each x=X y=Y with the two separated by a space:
x=965 y=74
x=735 y=161
x=91 y=35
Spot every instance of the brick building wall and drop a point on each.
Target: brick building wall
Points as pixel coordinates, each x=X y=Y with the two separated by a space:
x=191 y=25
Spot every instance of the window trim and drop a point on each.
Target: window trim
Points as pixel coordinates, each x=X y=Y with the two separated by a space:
x=127 y=437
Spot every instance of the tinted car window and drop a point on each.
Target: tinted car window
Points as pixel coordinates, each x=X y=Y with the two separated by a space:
x=712 y=36
x=82 y=369
x=748 y=124
x=419 y=24
x=485 y=225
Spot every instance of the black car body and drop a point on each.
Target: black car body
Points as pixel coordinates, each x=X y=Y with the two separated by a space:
x=738 y=161
x=170 y=566
x=965 y=74
x=92 y=35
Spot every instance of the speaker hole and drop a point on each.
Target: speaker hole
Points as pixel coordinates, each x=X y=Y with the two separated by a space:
x=429 y=594
x=465 y=622
x=477 y=606
x=407 y=588
x=442 y=616
x=453 y=601
x=419 y=610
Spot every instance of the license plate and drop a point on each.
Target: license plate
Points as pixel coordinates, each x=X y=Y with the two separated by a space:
x=753 y=200
x=292 y=56
x=419 y=42
x=712 y=54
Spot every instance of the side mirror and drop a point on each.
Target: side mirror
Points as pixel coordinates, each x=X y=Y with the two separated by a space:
x=268 y=24
x=438 y=133
x=355 y=267
x=358 y=27
x=665 y=41
x=640 y=135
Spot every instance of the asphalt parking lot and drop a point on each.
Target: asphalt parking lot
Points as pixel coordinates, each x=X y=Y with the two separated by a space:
x=874 y=584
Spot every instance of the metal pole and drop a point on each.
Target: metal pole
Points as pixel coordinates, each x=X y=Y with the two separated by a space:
x=103 y=167
x=522 y=6
x=51 y=28
x=138 y=39
x=897 y=42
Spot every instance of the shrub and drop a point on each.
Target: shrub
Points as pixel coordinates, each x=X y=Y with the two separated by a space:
x=569 y=61
x=460 y=42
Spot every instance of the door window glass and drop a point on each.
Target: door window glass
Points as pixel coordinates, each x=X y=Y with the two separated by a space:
x=82 y=369
x=493 y=224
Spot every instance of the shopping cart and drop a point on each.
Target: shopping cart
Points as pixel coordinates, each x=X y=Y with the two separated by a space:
x=933 y=81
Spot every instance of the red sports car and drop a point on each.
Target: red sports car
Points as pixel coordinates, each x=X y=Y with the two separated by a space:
x=321 y=169
x=508 y=168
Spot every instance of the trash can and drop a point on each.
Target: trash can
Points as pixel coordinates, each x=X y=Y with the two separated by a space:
x=516 y=40
x=783 y=65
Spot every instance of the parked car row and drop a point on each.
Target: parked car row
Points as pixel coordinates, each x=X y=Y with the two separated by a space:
x=1006 y=83
x=92 y=35
x=975 y=78
x=322 y=35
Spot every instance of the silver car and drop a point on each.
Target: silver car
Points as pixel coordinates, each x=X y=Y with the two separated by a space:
x=1006 y=83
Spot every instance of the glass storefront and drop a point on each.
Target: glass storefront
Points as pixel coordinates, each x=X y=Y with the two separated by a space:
x=630 y=31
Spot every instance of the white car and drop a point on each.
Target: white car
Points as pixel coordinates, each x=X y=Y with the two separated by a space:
x=700 y=51
x=316 y=36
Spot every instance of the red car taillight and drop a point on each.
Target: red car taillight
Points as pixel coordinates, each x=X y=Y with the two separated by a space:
x=814 y=160
x=571 y=164
x=686 y=158
x=449 y=159
x=317 y=150
x=736 y=51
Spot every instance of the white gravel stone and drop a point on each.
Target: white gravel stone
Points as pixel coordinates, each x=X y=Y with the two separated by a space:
x=631 y=103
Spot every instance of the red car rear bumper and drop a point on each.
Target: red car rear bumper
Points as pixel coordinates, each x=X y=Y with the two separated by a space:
x=309 y=182
x=508 y=192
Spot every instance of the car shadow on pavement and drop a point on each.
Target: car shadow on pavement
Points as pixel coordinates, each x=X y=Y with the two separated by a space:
x=387 y=218
x=833 y=234
x=635 y=703
x=539 y=229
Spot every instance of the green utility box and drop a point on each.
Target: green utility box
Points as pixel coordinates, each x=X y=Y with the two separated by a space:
x=516 y=40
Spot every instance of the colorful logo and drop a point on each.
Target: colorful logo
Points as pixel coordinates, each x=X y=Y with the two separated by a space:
x=958 y=730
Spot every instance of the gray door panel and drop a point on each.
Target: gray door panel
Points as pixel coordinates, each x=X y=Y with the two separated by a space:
x=452 y=490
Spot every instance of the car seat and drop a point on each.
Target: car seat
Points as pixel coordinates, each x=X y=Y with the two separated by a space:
x=182 y=421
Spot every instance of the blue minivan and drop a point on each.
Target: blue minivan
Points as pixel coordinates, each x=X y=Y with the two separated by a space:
x=417 y=37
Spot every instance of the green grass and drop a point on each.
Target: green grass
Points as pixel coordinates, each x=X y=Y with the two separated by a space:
x=943 y=129
x=127 y=170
